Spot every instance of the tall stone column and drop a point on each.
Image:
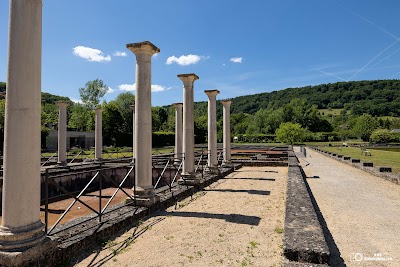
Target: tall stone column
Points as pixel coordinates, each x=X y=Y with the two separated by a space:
x=21 y=227
x=133 y=133
x=62 y=132
x=227 y=131
x=212 y=130
x=98 y=151
x=188 y=123
x=144 y=191
x=178 y=131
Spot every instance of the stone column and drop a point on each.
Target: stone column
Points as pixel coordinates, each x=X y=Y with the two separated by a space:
x=133 y=133
x=144 y=191
x=227 y=131
x=212 y=130
x=21 y=227
x=98 y=152
x=188 y=123
x=62 y=132
x=178 y=131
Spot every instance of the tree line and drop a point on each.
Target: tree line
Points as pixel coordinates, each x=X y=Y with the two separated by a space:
x=264 y=121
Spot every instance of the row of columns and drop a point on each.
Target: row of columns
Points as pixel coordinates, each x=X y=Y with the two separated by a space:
x=21 y=227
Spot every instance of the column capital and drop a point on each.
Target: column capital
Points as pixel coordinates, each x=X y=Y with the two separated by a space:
x=145 y=47
x=62 y=103
x=188 y=79
x=226 y=102
x=98 y=109
x=177 y=105
x=211 y=93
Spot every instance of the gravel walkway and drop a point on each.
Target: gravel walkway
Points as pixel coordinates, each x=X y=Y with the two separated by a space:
x=237 y=221
x=362 y=211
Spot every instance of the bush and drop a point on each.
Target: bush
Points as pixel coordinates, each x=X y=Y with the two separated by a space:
x=383 y=136
x=161 y=139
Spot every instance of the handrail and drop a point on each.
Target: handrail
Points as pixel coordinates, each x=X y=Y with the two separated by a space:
x=55 y=153
x=76 y=156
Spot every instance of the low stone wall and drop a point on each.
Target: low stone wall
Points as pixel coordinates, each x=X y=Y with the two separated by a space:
x=379 y=171
x=304 y=241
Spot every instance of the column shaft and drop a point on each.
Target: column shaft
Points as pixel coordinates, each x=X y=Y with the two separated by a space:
x=227 y=130
x=133 y=133
x=188 y=122
x=212 y=128
x=99 y=134
x=178 y=131
x=62 y=132
x=21 y=226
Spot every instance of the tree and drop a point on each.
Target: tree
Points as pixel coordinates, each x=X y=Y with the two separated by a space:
x=81 y=117
x=93 y=92
x=123 y=102
x=364 y=126
x=381 y=136
x=290 y=133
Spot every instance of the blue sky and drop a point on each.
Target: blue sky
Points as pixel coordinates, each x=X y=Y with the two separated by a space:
x=237 y=47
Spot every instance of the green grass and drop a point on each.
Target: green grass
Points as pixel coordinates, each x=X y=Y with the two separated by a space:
x=337 y=143
x=334 y=111
x=378 y=157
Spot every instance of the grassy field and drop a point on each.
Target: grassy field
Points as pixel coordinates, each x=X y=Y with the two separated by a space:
x=378 y=157
x=334 y=112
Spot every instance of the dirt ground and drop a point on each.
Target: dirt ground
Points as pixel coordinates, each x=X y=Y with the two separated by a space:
x=237 y=221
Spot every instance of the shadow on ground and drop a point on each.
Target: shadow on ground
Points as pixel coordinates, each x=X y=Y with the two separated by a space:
x=253 y=192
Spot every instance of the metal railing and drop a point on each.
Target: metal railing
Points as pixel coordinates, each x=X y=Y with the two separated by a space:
x=101 y=177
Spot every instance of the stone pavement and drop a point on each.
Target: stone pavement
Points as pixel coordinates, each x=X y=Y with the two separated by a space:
x=237 y=221
x=362 y=211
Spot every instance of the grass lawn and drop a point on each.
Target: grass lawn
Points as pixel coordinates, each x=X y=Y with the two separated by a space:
x=334 y=111
x=378 y=157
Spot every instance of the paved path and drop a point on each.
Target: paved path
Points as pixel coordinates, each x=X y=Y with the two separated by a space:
x=237 y=221
x=362 y=211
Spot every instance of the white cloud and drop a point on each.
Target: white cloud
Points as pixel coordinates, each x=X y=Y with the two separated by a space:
x=184 y=60
x=236 y=59
x=110 y=90
x=132 y=87
x=127 y=87
x=91 y=54
x=76 y=100
x=120 y=54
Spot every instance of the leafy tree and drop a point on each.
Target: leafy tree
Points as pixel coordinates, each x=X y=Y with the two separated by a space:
x=364 y=126
x=2 y=112
x=2 y=87
x=81 y=117
x=111 y=123
x=380 y=136
x=93 y=92
x=123 y=102
x=290 y=133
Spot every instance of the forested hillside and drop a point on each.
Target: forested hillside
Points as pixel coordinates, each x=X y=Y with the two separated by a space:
x=378 y=98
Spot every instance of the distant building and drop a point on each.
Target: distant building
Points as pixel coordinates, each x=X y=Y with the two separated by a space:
x=395 y=131
x=84 y=140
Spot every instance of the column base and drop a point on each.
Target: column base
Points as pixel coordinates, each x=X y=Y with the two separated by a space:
x=190 y=179
x=22 y=238
x=29 y=257
x=62 y=163
x=213 y=170
x=98 y=160
x=145 y=197
x=227 y=164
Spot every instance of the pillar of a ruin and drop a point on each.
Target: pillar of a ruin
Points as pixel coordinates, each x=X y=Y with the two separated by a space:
x=212 y=130
x=21 y=227
x=178 y=131
x=133 y=133
x=227 y=131
x=188 y=124
x=144 y=191
x=62 y=132
x=98 y=148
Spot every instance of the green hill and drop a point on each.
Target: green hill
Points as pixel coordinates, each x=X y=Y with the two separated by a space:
x=378 y=98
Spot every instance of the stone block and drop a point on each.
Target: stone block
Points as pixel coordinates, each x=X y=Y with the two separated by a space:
x=346 y=158
x=355 y=160
x=368 y=164
x=384 y=169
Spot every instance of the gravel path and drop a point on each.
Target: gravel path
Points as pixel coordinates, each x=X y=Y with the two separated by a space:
x=237 y=221
x=362 y=211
